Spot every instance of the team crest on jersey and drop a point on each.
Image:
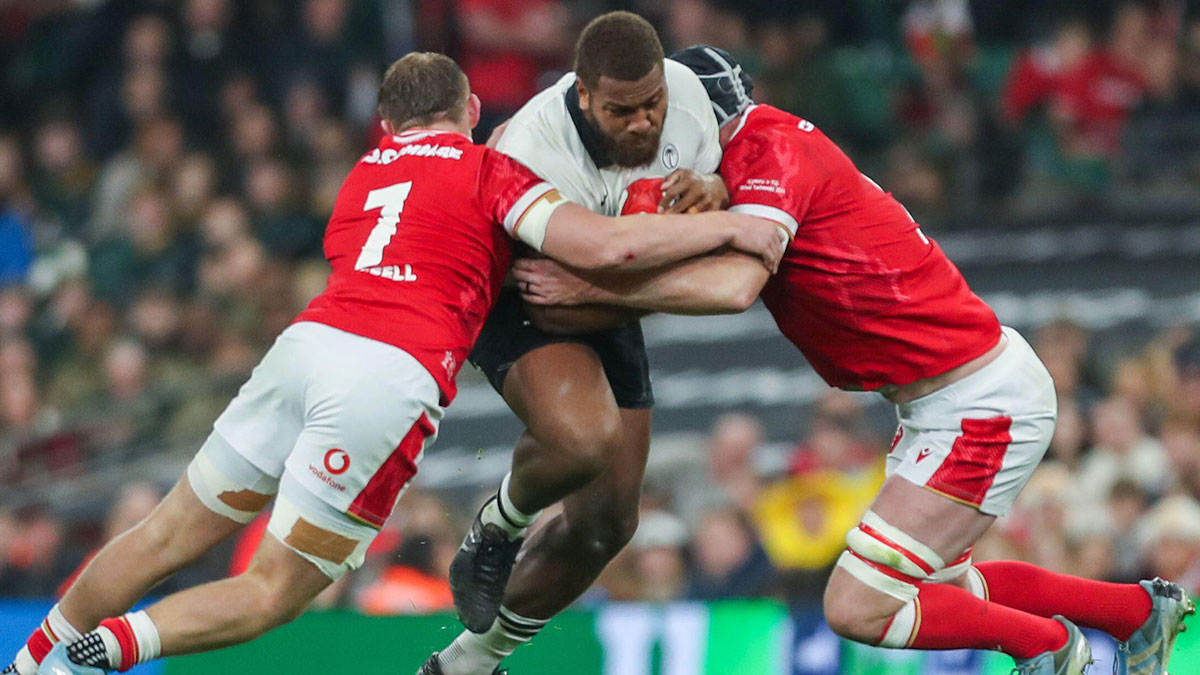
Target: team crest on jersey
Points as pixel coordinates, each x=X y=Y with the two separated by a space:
x=670 y=157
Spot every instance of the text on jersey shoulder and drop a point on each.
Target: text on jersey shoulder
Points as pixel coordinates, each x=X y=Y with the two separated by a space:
x=390 y=155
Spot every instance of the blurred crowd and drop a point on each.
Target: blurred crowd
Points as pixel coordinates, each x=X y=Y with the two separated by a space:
x=167 y=167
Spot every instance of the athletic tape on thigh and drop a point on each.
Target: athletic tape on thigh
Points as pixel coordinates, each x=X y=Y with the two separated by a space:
x=955 y=569
x=877 y=576
x=331 y=541
x=878 y=541
x=228 y=484
x=888 y=560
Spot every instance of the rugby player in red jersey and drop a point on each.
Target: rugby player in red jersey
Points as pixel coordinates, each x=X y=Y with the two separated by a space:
x=334 y=419
x=875 y=305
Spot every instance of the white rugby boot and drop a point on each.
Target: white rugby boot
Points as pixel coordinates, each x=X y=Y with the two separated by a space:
x=1072 y=659
x=1147 y=651
x=57 y=663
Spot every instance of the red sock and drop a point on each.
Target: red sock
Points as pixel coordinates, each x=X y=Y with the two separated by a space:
x=126 y=638
x=949 y=617
x=39 y=644
x=1116 y=609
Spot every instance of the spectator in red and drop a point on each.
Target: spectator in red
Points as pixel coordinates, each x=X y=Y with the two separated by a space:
x=505 y=46
x=1095 y=99
x=1038 y=71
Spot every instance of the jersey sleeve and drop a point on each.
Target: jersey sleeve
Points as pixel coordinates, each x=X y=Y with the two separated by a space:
x=770 y=180
x=517 y=198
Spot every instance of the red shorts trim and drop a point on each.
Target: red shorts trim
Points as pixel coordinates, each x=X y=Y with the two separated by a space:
x=375 y=503
x=974 y=460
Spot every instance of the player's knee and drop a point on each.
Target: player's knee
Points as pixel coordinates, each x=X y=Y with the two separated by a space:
x=589 y=446
x=849 y=619
x=609 y=529
x=271 y=605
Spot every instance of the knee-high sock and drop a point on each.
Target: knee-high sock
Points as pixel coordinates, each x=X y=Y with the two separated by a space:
x=948 y=617
x=1116 y=609
x=54 y=629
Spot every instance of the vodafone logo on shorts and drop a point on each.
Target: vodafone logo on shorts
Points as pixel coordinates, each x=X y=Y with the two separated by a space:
x=337 y=461
x=920 y=456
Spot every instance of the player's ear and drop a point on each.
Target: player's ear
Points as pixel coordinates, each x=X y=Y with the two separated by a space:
x=474 y=110
x=585 y=98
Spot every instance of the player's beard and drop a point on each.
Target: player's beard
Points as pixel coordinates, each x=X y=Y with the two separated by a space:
x=632 y=149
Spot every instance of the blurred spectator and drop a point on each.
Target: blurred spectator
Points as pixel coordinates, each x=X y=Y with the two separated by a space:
x=729 y=561
x=1181 y=439
x=505 y=46
x=1096 y=97
x=1037 y=73
x=38 y=559
x=1126 y=506
x=1187 y=372
x=729 y=475
x=1070 y=437
x=803 y=521
x=132 y=505
x=835 y=441
x=658 y=552
x=62 y=178
x=1122 y=450
x=157 y=146
x=1172 y=541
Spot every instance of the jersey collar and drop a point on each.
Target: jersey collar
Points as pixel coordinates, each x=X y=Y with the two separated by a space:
x=587 y=135
x=410 y=135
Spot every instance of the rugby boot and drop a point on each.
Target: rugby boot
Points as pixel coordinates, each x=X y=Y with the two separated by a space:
x=12 y=668
x=1147 y=651
x=1072 y=659
x=479 y=573
x=433 y=667
x=57 y=663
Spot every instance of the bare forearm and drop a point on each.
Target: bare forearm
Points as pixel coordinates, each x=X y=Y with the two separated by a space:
x=719 y=284
x=648 y=241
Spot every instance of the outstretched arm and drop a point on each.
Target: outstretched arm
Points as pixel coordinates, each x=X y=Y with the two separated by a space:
x=586 y=240
x=725 y=283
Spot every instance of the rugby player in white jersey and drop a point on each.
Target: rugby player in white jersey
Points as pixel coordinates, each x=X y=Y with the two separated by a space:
x=625 y=115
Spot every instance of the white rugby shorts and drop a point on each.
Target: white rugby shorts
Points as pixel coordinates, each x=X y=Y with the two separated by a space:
x=978 y=440
x=339 y=422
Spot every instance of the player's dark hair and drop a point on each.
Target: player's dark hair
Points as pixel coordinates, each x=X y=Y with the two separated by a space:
x=620 y=45
x=421 y=88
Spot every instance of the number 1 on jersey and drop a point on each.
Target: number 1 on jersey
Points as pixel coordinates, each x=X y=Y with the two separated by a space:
x=391 y=199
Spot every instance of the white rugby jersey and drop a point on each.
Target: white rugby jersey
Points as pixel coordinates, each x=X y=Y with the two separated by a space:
x=544 y=136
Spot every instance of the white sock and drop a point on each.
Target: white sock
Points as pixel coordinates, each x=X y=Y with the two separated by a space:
x=57 y=629
x=502 y=513
x=148 y=640
x=474 y=654
x=147 y=643
x=63 y=630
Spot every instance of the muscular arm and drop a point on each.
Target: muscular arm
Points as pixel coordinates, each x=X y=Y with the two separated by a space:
x=590 y=241
x=726 y=283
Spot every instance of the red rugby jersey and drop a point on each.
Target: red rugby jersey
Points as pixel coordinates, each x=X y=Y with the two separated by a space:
x=866 y=296
x=419 y=243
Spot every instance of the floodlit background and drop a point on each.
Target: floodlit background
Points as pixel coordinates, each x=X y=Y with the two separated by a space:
x=167 y=167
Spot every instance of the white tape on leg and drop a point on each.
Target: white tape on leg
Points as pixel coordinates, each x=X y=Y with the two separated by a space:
x=903 y=627
x=896 y=588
